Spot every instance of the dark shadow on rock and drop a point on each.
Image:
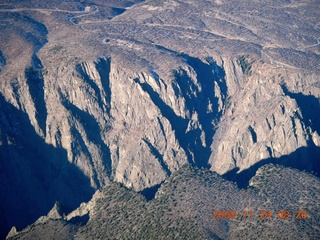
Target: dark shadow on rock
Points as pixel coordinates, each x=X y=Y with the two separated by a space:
x=304 y=159
x=35 y=83
x=33 y=74
x=79 y=147
x=198 y=100
x=91 y=83
x=3 y=61
x=93 y=133
x=179 y=124
x=103 y=67
x=154 y=151
x=117 y=11
x=309 y=106
x=149 y=193
x=33 y=174
x=198 y=97
x=80 y=220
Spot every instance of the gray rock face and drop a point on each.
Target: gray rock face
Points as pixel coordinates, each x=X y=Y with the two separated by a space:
x=115 y=124
x=132 y=96
x=137 y=128
x=266 y=120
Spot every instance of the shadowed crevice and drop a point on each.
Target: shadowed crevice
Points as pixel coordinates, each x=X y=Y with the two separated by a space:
x=158 y=156
x=198 y=99
x=309 y=106
x=103 y=67
x=33 y=74
x=179 y=124
x=33 y=174
x=253 y=134
x=162 y=129
x=93 y=133
x=78 y=146
x=35 y=83
x=150 y=193
x=83 y=74
x=117 y=11
x=303 y=159
x=3 y=61
x=80 y=220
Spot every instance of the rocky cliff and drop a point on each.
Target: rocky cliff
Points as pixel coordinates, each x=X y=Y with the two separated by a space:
x=115 y=92
x=280 y=203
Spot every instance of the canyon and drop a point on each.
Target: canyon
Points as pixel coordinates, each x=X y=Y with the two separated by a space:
x=97 y=92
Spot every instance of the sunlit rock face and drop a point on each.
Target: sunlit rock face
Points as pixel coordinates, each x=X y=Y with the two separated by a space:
x=131 y=91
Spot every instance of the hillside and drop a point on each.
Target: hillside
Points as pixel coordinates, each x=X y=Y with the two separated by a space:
x=184 y=209
x=100 y=92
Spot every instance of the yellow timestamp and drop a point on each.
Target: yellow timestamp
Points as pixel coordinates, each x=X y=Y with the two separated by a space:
x=260 y=214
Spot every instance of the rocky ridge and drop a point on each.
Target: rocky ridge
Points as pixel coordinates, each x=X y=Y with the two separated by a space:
x=184 y=208
x=130 y=96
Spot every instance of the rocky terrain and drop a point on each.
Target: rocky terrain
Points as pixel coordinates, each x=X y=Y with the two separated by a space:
x=184 y=209
x=95 y=92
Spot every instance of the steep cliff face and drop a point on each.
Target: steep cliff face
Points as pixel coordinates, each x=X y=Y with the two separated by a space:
x=269 y=116
x=137 y=128
x=129 y=94
x=117 y=124
x=97 y=121
x=102 y=122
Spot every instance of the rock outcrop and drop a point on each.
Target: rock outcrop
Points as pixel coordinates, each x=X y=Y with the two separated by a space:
x=268 y=117
x=102 y=94
x=198 y=204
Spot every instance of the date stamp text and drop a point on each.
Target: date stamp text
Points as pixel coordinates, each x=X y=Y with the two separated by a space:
x=260 y=214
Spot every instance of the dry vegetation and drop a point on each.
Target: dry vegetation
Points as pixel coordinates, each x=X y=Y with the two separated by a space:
x=184 y=204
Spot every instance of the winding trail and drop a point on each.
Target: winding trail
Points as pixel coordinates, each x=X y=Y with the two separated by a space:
x=277 y=63
x=151 y=32
x=41 y=10
x=313 y=45
x=86 y=12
